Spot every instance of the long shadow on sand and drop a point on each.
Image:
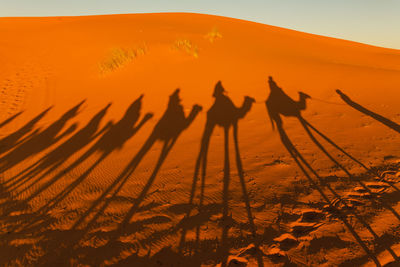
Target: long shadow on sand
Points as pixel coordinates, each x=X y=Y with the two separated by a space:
x=50 y=162
x=168 y=129
x=10 y=119
x=380 y=118
x=278 y=103
x=225 y=114
x=40 y=140
x=24 y=133
x=54 y=159
x=112 y=137
x=391 y=124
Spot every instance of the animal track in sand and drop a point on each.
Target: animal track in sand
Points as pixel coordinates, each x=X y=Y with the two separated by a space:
x=276 y=162
x=16 y=88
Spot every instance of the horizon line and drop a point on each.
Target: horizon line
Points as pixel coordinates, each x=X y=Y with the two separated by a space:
x=197 y=13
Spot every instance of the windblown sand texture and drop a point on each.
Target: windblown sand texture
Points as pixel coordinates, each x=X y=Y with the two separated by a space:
x=99 y=151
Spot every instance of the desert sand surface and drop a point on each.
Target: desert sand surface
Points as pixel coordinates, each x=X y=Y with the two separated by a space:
x=120 y=145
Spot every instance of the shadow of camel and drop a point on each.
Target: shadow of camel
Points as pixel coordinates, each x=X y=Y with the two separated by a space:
x=383 y=120
x=169 y=127
x=10 y=119
x=225 y=114
x=278 y=103
x=112 y=137
x=19 y=136
x=40 y=140
x=55 y=158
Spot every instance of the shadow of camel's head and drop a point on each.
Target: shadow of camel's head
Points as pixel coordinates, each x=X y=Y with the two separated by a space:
x=249 y=99
x=304 y=95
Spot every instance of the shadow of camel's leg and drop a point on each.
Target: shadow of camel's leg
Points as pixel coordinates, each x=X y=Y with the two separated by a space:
x=272 y=116
x=208 y=133
x=296 y=156
x=22 y=180
x=373 y=199
x=120 y=180
x=245 y=195
x=242 y=182
x=135 y=207
x=40 y=178
x=360 y=219
x=205 y=144
x=319 y=145
x=50 y=204
x=66 y=191
x=163 y=155
x=166 y=148
x=75 y=183
x=333 y=144
x=225 y=201
x=196 y=175
x=202 y=156
x=22 y=174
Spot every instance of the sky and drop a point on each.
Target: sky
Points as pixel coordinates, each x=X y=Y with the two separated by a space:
x=375 y=22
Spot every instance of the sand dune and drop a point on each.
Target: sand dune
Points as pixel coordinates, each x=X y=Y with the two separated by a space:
x=104 y=162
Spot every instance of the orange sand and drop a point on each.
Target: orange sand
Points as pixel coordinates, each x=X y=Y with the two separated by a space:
x=55 y=62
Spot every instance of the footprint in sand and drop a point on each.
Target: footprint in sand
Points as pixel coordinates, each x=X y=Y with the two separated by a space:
x=16 y=88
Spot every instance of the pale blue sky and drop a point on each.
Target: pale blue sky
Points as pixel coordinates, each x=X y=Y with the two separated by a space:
x=374 y=22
